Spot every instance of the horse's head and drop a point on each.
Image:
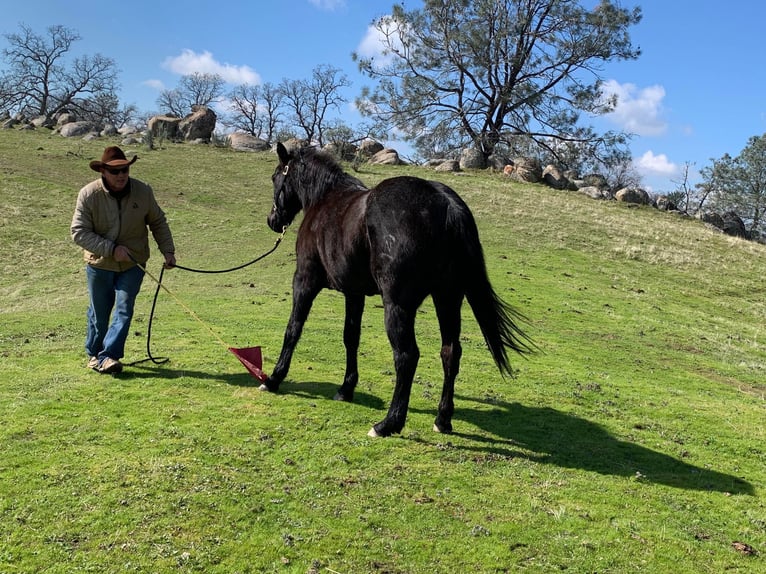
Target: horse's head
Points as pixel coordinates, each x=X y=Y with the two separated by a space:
x=287 y=203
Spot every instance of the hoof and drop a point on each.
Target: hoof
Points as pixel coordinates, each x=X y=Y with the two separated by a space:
x=373 y=433
x=341 y=397
x=446 y=430
x=266 y=388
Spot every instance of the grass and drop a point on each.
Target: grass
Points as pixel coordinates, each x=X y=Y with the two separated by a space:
x=633 y=442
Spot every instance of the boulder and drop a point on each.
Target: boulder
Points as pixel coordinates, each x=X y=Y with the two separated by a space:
x=369 y=147
x=555 y=178
x=10 y=123
x=472 y=158
x=163 y=127
x=633 y=195
x=664 y=203
x=595 y=180
x=712 y=218
x=199 y=125
x=733 y=225
x=594 y=192
x=76 y=129
x=240 y=141
x=109 y=130
x=498 y=161
x=386 y=156
x=527 y=169
x=448 y=165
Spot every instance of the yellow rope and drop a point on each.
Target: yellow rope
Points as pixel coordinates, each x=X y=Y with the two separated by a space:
x=186 y=307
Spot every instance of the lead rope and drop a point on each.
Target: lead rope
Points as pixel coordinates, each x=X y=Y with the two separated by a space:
x=160 y=285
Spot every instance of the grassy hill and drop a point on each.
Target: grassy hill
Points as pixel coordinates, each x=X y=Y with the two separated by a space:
x=634 y=441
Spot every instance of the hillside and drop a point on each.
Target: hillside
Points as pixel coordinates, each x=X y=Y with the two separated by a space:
x=632 y=442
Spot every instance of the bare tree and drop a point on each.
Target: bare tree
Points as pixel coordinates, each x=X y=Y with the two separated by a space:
x=40 y=81
x=484 y=71
x=684 y=195
x=196 y=89
x=255 y=109
x=310 y=101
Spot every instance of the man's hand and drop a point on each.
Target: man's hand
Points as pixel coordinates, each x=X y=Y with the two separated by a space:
x=122 y=253
x=170 y=260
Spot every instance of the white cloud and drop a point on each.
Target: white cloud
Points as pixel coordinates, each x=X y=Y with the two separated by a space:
x=649 y=163
x=155 y=84
x=329 y=5
x=190 y=62
x=375 y=41
x=638 y=111
x=371 y=45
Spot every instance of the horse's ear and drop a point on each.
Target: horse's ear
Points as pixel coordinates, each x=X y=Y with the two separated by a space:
x=282 y=153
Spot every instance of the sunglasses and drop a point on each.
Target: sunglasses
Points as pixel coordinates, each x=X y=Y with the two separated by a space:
x=118 y=171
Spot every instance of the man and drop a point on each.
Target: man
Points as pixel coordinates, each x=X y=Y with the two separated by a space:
x=111 y=223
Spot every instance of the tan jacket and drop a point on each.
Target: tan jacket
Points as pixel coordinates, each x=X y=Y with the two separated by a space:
x=101 y=222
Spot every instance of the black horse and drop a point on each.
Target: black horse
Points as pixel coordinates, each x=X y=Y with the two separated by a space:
x=404 y=239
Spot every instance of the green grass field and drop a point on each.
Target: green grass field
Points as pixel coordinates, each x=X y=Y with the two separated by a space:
x=634 y=441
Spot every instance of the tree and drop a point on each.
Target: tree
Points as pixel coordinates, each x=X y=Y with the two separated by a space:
x=196 y=89
x=484 y=72
x=41 y=82
x=311 y=100
x=739 y=184
x=255 y=109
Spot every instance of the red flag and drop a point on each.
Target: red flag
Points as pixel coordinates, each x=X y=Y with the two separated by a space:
x=252 y=359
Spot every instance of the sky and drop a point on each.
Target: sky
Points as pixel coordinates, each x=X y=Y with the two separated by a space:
x=697 y=92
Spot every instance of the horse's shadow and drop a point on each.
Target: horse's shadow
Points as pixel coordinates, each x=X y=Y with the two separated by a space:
x=512 y=430
x=549 y=436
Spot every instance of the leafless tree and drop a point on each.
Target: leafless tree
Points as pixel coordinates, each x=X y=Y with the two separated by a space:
x=41 y=81
x=196 y=89
x=255 y=109
x=310 y=101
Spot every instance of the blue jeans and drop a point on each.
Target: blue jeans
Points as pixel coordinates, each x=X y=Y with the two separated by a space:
x=112 y=294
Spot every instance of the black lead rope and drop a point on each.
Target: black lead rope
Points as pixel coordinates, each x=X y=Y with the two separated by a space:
x=161 y=360
x=150 y=357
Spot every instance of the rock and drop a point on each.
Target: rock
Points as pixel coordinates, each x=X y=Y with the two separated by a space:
x=448 y=165
x=163 y=127
x=386 y=156
x=472 y=158
x=240 y=141
x=633 y=195
x=527 y=169
x=554 y=177
x=199 y=125
x=76 y=129
x=369 y=148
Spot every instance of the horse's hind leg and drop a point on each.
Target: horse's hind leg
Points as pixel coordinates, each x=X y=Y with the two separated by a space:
x=448 y=312
x=400 y=327
x=351 y=334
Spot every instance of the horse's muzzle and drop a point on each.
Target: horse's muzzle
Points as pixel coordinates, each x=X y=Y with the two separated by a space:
x=274 y=221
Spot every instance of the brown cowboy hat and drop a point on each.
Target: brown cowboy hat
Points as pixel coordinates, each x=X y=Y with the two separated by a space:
x=113 y=157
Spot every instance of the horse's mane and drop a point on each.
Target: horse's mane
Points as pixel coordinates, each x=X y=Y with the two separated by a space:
x=321 y=173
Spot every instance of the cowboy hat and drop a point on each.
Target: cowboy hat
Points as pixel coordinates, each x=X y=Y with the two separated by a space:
x=113 y=157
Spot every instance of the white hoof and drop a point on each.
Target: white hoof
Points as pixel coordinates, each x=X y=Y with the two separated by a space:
x=263 y=388
x=372 y=433
x=436 y=429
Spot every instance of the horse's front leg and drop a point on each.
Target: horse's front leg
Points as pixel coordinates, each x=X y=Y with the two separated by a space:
x=351 y=334
x=304 y=293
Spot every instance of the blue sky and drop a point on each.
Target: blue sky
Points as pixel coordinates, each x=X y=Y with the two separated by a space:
x=696 y=93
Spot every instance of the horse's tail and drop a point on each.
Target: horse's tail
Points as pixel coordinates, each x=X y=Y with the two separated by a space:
x=498 y=320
